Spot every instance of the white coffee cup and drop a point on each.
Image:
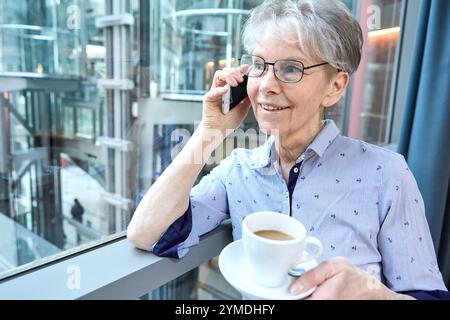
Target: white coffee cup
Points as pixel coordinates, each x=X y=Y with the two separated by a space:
x=269 y=260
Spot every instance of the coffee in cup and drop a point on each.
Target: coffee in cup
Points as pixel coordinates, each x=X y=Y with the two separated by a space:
x=274 y=235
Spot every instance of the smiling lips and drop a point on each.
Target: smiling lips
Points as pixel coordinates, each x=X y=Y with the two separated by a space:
x=270 y=107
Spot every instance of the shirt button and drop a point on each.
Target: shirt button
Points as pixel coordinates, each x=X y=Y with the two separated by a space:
x=295 y=170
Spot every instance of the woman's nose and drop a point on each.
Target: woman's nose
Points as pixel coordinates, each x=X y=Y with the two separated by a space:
x=269 y=82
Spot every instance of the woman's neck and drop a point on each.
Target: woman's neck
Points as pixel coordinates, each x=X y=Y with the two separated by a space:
x=291 y=145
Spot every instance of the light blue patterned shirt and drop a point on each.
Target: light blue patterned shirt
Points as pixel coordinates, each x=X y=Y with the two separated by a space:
x=359 y=199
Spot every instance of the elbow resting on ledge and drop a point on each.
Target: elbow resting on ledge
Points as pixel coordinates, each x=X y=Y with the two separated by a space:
x=144 y=230
x=138 y=238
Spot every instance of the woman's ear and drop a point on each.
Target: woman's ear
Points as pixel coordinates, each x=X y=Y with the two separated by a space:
x=338 y=84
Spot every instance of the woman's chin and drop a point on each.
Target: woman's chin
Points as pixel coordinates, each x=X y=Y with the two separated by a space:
x=269 y=129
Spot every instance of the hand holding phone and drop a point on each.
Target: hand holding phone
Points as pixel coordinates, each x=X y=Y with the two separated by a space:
x=234 y=96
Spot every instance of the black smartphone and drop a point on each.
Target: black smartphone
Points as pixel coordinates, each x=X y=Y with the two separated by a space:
x=234 y=96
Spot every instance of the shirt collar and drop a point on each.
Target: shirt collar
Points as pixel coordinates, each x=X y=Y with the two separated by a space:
x=262 y=156
x=325 y=138
x=266 y=154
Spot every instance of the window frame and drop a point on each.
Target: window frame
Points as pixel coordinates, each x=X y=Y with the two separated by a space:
x=403 y=70
x=132 y=273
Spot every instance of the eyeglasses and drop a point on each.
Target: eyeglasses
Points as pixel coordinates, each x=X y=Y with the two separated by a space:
x=288 y=71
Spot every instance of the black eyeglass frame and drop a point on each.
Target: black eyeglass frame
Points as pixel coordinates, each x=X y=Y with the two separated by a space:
x=273 y=65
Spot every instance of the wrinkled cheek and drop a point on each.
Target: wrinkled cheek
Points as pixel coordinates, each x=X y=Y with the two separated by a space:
x=254 y=104
x=252 y=90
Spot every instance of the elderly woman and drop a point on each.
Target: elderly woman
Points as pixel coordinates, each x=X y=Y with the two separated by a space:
x=359 y=199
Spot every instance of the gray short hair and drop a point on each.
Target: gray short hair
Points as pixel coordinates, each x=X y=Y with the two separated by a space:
x=325 y=28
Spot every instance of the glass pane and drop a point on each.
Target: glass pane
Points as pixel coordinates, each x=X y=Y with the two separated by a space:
x=46 y=164
x=203 y=283
x=192 y=46
x=56 y=55
x=195 y=43
x=42 y=37
x=85 y=122
x=370 y=111
x=87 y=221
x=68 y=121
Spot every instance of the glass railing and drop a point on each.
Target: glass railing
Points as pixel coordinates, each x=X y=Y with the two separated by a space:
x=134 y=274
x=39 y=51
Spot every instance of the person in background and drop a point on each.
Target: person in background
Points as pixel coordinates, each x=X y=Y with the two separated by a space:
x=77 y=211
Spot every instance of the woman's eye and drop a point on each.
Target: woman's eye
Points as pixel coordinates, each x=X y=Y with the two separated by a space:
x=258 y=65
x=291 y=69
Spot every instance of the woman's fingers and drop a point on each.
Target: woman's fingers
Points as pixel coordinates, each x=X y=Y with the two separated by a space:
x=231 y=76
x=215 y=95
x=244 y=69
x=241 y=110
x=318 y=275
x=243 y=104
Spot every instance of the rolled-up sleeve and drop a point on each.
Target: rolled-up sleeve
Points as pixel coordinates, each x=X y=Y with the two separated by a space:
x=404 y=240
x=208 y=207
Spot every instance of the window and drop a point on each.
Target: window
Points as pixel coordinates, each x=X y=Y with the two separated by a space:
x=49 y=128
x=68 y=121
x=85 y=123
x=370 y=101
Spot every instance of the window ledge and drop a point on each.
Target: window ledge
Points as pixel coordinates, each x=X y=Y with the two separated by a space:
x=113 y=271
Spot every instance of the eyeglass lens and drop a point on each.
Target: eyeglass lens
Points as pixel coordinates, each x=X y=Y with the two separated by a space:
x=285 y=70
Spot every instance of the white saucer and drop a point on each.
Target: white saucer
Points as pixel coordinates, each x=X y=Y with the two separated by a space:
x=233 y=265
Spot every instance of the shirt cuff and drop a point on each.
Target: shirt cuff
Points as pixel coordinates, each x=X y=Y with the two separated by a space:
x=428 y=295
x=177 y=233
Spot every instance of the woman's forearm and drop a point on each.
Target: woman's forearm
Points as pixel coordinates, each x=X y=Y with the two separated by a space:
x=168 y=198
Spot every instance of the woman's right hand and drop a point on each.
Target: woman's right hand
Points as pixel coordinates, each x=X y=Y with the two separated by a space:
x=213 y=118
